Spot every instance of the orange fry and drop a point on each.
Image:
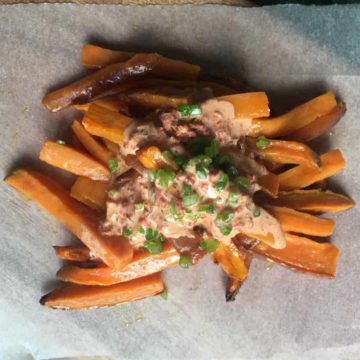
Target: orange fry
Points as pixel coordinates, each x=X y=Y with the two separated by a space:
x=319 y=126
x=249 y=105
x=142 y=264
x=74 y=161
x=269 y=183
x=74 y=296
x=97 y=150
x=90 y=192
x=299 y=222
x=113 y=103
x=295 y=119
x=116 y=252
x=108 y=124
x=312 y=200
x=286 y=152
x=96 y=57
x=73 y=253
x=302 y=176
x=303 y=254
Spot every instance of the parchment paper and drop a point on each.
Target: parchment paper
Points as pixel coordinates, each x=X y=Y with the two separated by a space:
x=292 y=52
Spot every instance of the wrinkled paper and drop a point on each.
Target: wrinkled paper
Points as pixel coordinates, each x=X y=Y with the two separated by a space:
x=293 y=53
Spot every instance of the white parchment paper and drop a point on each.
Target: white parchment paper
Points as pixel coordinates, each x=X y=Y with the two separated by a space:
x=292 y=52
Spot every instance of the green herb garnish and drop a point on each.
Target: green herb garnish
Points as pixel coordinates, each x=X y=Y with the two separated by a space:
x=184 y=261
x=222 y=181
x=189 y=198
x=213 y=149
x=175 y=212
x=189 y=110
x=201 y=171
x=209 y=245
x=262 y=142
x=225 y=216
x=139 y=206
x=141 y=230
x=113 y=166
x=111 y=193
x=165 y=176
x=208 y=208
x=234 y=197
x=226 y=230
x=61 y=142
x=127 y=232
x=256 y=212
x=243 y=182
x=153 y=241
x=164 y=295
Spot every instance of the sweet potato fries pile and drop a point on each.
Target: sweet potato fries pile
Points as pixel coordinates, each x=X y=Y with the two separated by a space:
x=105 y=270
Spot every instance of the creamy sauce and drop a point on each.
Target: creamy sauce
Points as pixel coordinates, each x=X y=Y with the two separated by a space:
x=139 y=203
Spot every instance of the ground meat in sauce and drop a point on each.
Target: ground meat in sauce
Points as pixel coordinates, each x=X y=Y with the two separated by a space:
x=182 y=129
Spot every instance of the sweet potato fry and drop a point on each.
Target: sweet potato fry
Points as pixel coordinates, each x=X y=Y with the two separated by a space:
x=143 y=264
x=269 y=183
x=116 y=252
x=73 y=253
x=294 y=119
x=302 y=223
x=90 y=192
x=249 y=105
x=95 y=57
x=74 y=296
x=303 y=254
x=232 y=288
x=302 y=176
x=101 y=83
x=312 y=200
x=113 y=103
x=233 y=261
x=107 y=124
x=286 y=152
x=74 y=161
x=111 y=146
x=158 y=99
x=96 y=149
x=319 y=126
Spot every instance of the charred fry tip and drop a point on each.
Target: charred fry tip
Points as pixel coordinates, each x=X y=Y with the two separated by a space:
x=43 y=300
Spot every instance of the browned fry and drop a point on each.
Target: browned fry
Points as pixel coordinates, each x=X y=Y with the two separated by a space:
x=113 y=103
x=73 y=253
x=143 y=264
x=232 y=288
x=101 y=83
x=302 y=176
x=311 y=200
x=74 y=296
x=96 y=57
x=319 y=126
x=299 y=222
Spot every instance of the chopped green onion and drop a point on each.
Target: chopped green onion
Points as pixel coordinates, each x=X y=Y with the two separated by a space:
x=189 y=110
x=243 y=182
x=193 y=216
x=113 y=166
x=201 y=171
x=153 y=241
x=213 y=149
x=141 y=230
x=60 y=142
x=208 y=208
x=139 y=206
x=165 y=176
x=164 y=295
x=234 y=197
x=189 y=198
x=256 y=212
x=222 y=181
x=111 y=193
x=262 y=142
x=226 y=230
x=232 y=171
x=152 y=175
x=201 y=160
x=127 y=232
x=175 y=212
x=184 y=261
x=225 y=216
x=209 y=245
